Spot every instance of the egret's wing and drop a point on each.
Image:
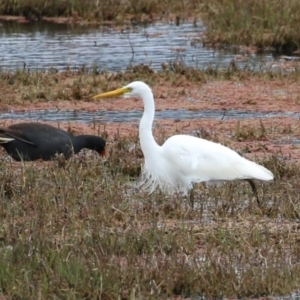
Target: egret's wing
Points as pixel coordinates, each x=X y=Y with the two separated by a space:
x=203 y=160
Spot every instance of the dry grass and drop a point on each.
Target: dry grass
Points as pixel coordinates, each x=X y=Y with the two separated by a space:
x=32 y=87
x=265 y=24
x=79 y=230
x=100 y=10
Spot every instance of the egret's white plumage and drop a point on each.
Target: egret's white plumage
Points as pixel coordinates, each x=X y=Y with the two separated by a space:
x=183 y=160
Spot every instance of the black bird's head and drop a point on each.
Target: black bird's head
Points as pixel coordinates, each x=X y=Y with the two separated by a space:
x=91 y=142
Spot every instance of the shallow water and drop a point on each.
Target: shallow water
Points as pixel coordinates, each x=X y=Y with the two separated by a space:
x=45 y=45
x=135 y=115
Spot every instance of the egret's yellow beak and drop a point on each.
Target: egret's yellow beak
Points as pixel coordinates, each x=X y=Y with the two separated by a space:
x=114 y=93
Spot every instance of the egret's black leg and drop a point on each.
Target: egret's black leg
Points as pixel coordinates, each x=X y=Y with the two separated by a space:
x=254 y=190
x=191 y=197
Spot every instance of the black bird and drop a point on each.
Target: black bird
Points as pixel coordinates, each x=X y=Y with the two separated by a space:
x=32 y=141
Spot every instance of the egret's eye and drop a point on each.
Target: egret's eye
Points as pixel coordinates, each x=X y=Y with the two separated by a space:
x=129 y=89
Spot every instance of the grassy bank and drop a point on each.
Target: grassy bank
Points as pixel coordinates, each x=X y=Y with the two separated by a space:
x=112 y=10
x=32 y=87
x=79 y=230
x=265 y=24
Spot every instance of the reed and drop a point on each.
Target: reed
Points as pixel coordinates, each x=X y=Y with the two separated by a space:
x=264 y=24
x=79 y=229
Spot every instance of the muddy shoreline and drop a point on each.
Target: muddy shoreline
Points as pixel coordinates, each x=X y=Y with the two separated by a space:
x=281 y=134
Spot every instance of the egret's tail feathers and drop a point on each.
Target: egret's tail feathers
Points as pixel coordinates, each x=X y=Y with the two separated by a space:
x=261 y=173
x=5 y=140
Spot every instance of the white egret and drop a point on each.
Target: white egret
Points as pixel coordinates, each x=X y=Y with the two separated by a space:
x=184 y=160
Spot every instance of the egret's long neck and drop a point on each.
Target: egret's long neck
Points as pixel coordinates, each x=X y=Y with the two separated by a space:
x=147 y=140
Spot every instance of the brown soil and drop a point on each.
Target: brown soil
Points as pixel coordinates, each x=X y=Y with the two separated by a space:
x=252 y=95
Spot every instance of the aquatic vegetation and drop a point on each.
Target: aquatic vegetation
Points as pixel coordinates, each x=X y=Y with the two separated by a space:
x=80 y=229
x=136 y=11
x=270 y=24
x=31 y=86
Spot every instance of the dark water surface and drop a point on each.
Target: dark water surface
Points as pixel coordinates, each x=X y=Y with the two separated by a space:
x=45 y=45
x=135 y=115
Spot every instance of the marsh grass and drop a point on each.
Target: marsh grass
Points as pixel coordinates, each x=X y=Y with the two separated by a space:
x=251 y=132
x=266 y=24
x=81 y=230
x=30 y=86
x=99 y=10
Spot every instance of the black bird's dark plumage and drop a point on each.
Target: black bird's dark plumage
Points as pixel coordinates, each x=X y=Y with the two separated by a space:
x=32 y=141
